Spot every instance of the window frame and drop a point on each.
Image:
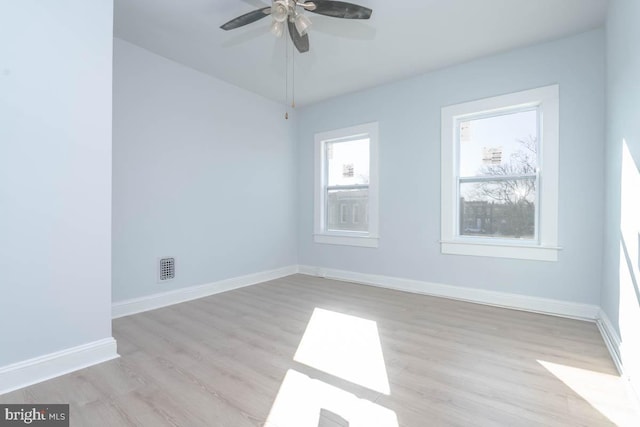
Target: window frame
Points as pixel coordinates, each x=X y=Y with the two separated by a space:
x=544 y=246
x=345 y=237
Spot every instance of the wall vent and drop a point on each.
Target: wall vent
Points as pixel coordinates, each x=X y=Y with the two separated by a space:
x=167 y=269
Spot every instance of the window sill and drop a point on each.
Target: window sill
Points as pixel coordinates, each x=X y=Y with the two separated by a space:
x=500 y=250
x=347 y=240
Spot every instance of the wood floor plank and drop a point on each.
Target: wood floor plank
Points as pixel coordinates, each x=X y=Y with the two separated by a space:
x=227 y=360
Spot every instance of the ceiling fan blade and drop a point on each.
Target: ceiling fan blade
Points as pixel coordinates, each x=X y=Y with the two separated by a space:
x=247 y=18
x=340 y=9
x=300 y=42
x=248 y=35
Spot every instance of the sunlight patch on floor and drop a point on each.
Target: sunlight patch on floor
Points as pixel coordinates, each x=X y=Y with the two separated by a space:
x=301 y=399
x=345 y=346
x=605 y=393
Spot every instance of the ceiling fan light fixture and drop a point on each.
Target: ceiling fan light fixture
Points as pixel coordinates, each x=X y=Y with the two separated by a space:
x=280 y=10
x=297 y=23
x=302 y=24
x=277 y=28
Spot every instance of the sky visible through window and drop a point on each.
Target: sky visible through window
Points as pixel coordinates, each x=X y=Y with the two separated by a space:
x=493 y=140
x=348 y=162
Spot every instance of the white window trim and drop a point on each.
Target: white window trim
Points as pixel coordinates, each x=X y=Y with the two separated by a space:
x=546 y=247
x=351 y=238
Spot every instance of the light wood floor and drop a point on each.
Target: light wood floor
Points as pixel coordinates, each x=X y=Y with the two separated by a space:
x=228 y=360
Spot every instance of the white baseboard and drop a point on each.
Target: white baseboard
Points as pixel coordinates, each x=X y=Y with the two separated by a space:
x=481 y=296
x=164 y=299
x=38 y=369
x=611 y=339
x=614 y=345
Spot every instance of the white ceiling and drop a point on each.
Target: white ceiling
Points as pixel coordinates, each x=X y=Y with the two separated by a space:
x=402 y=39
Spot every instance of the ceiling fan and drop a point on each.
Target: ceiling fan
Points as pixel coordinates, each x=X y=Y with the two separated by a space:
x=291 y=12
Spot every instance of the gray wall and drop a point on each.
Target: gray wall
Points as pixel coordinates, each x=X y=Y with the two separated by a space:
x=203 y=171
x=620 y=291
x=409 y=115
x=55 y=175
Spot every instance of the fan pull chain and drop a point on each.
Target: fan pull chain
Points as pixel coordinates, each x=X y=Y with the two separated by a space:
x=286 y=76
x=293 y=78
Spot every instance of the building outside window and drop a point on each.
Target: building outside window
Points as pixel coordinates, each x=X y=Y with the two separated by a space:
x=344 y=217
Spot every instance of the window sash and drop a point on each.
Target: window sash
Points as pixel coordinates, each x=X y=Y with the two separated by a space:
x=502 y=112
x=347 y=187
x=492 y=178
x=328 y=188
x=487 y=178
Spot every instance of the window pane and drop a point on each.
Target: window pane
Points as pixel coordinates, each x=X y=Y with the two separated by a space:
x=502 y=209
x=348 y=162
x=341 y=205
x=499 y=145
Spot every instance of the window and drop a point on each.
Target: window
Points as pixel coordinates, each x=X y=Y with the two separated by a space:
x=346 y=183
x=356 y=214
x=343 y=216
x=500 y=176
